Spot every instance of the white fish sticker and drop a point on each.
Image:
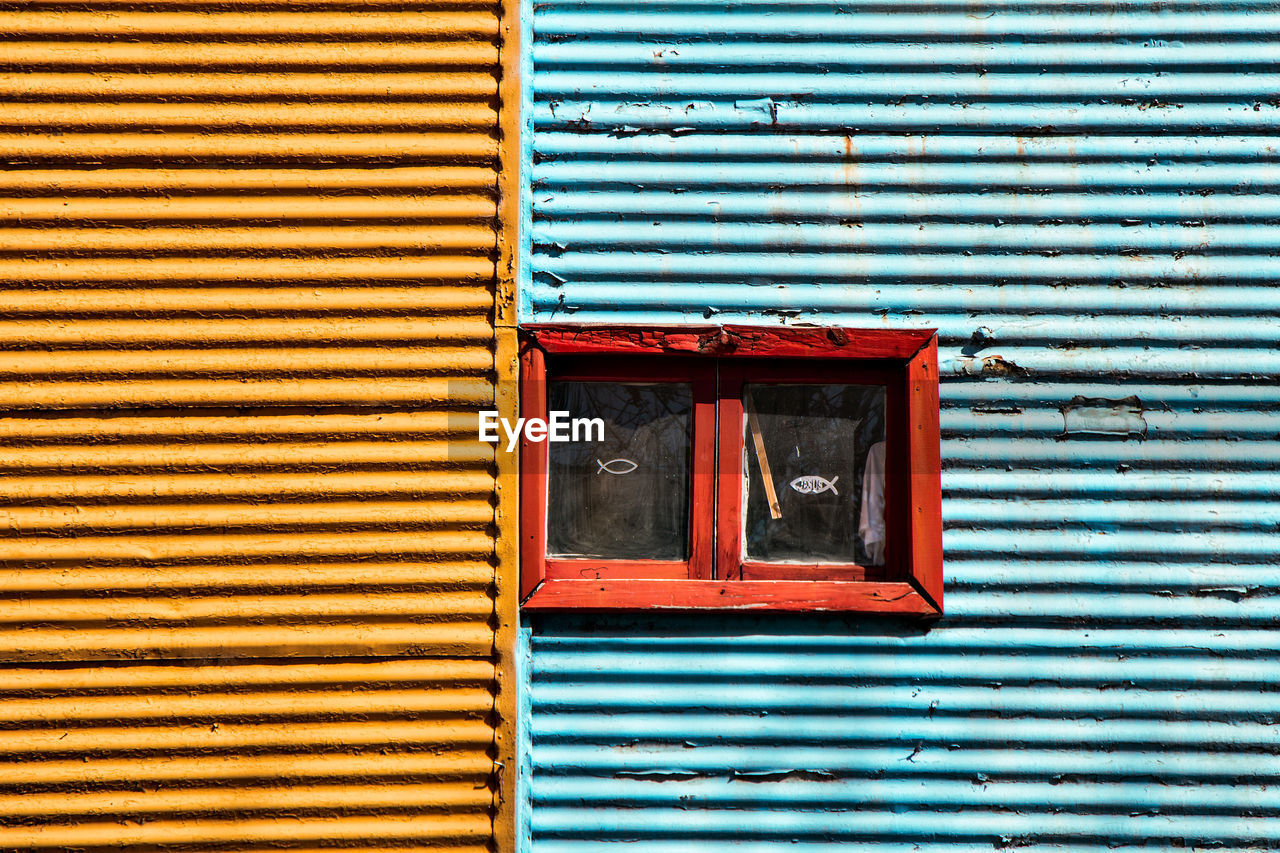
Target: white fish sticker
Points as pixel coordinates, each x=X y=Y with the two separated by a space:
x=616 y=466
x=814 y=485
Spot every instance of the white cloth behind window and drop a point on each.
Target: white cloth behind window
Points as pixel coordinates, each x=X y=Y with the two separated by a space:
x=871 y=518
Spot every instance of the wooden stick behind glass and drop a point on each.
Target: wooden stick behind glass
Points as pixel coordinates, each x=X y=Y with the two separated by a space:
x=757 y=441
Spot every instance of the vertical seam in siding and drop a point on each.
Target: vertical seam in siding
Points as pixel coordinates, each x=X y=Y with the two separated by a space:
x=506 y=580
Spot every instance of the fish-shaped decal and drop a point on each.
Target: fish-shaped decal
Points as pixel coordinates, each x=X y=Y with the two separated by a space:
x=616 y=466
x=814 y=485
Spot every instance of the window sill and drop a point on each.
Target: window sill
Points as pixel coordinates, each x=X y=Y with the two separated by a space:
x=901 y=599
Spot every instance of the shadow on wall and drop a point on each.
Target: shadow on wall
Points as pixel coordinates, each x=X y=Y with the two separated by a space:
x=749 y=627
x=672 y=732
x=677 y=729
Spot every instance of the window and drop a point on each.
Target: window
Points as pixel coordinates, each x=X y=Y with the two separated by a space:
x=731 y=467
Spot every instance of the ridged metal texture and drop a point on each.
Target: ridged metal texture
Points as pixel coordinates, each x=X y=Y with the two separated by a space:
x=246 y=310
x=247 y=296
x=391 y=754
x=1081 y=197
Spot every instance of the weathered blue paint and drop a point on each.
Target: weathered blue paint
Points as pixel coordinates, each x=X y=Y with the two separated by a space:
x=524 y=764
x=1081 y=198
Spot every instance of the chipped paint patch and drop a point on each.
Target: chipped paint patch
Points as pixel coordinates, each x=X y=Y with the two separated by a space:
x=1097 y=416
x=986 y=366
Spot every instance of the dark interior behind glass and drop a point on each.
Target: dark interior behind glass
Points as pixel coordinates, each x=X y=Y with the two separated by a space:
x=626 y=497
x=818 y=441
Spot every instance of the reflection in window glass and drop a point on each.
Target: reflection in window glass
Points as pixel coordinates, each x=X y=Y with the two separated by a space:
x=626 y=497
x=823 y=446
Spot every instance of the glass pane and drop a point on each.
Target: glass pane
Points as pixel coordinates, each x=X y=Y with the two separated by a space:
x=626 y=497
x=823 y=446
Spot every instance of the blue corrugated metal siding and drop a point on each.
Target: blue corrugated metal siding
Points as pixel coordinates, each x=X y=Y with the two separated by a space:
x=1082 y=198
x=694 y=733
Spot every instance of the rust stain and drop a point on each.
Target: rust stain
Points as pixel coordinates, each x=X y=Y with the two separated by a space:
x=994 y=365
x=988 y=366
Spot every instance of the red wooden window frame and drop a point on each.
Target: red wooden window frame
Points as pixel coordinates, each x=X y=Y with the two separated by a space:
x=700 y=374
x=731 y=564
x=904 y=361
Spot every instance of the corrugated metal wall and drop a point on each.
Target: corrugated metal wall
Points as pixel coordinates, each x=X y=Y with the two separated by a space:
x=247 y=304
x=1082 y=198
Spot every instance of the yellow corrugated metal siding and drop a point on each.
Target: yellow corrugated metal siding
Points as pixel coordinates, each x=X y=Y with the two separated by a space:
x=390 y=753
x=248 y=271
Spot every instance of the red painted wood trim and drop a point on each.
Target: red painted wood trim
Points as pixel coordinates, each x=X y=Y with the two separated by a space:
x=588 y=569
x=731 y=341
x=607 y=368
x=702 y=485
x=701 y=376
x=788 y=595
x=913 y=478
x=533 y=472
x=897 y=470
x=729 y=464
x=925 y=482
x=730 y=562
x=535 y=565
x=850 y=372
x=761 y=571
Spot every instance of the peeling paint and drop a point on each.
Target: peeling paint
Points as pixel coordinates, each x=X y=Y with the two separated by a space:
x=1234 y=593
x=981 y=338
x=1106 y=676
x=763 y=776
x=989 y=366
x=1085 y=416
